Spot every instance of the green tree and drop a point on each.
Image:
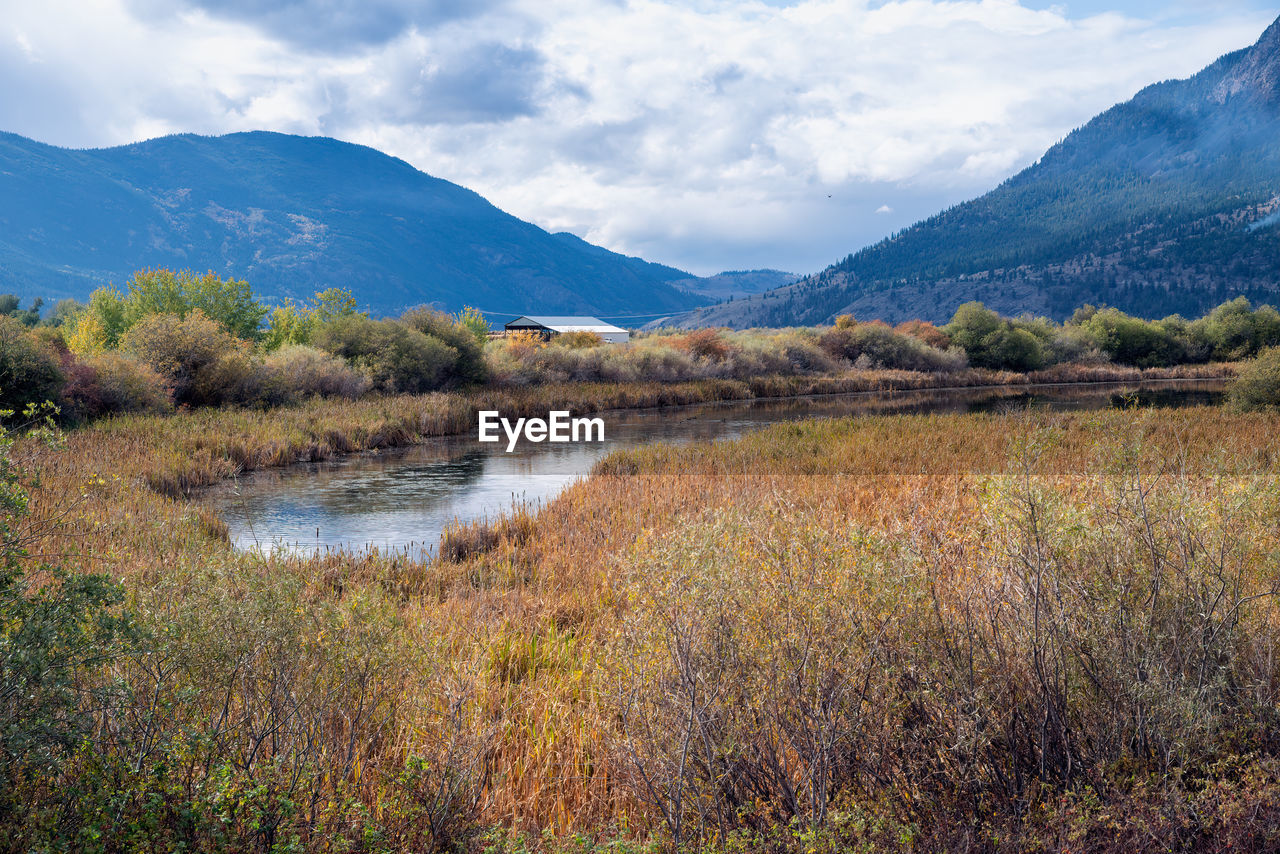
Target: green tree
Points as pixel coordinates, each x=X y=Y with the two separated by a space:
x=100 y=324
x=228 y=302
x=289 y=324
x=334 y=302
x=473 y=319
x=9 y=307
x=64 y=312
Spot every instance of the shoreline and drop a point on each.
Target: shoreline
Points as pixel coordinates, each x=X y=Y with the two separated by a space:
x=185 y=452
x=201 y=492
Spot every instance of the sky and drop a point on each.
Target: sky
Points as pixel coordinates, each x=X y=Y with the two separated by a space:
x=706 y=134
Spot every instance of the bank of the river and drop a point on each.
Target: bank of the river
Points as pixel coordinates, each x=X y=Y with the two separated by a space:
x=175 y=454
x=404 y=500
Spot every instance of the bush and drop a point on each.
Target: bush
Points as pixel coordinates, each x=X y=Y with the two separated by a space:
x=874 y=345
x=1234 y=330
x=1132 y=341
x=926 y=332
x=577 y=340
x=803 y=353
x=704 y=344
x=992 y=342
x=203 y=363
x=30 y=372
x=1257 y=386
x=394 y=356
x=469 y=366
x=112 y=384
x=1011 y=349
x=296 y=372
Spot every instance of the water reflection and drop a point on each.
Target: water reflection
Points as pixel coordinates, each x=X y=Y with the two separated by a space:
x=401 y=500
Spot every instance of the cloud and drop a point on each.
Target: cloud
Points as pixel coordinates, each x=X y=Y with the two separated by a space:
x=716 y=134
x=485 y=82
x=327 y=25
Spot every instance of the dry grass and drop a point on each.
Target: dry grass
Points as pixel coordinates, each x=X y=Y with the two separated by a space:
x=543 y=661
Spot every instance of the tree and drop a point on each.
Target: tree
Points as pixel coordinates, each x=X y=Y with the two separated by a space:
x=473 y=319
x=228 y=302
x=100 y=324
x=27 y=317
x=296 y=323
x=334 y=302
x=64 y=312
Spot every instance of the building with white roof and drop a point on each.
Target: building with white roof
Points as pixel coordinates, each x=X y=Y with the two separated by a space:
x=551 y=326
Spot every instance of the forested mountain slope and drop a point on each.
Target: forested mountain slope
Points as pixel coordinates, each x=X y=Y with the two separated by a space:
x=1169 y=202
x=294 y=215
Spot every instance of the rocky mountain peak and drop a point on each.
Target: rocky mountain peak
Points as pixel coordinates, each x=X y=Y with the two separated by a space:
x=1257 y=75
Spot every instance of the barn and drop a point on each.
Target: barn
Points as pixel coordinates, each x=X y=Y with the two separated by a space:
x=549 y=327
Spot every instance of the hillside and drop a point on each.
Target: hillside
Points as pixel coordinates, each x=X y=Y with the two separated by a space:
x=293 y=215
x=1169 y=202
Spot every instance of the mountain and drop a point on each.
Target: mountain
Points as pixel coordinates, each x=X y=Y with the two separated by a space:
x=733 y=284
x=294 y=215
x=1169 y=202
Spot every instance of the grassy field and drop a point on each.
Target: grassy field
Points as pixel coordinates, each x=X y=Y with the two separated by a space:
x=978 y=632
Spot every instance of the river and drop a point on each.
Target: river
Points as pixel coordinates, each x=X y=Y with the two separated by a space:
x=401 y=499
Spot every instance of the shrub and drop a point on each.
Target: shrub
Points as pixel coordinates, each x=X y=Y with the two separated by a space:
x=113 y=383
x=30 y=372
x=469 y=365
x=1234 y=330
x=990 y=341
x=577 y=340
x=297 y=372
x=926 y=332
x=1132 y=341
x=874 y=345
x=1012 y=349
x=803 y=352
x=203 y=363
x=704 y=344
x=1257 y=386
x=395 y=357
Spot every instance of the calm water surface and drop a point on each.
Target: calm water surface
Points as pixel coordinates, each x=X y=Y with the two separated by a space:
x=402 y=499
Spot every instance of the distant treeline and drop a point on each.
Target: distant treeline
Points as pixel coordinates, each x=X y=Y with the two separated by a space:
x=183 y=339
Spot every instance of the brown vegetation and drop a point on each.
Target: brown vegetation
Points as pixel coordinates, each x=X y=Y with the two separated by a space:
x=916 y=633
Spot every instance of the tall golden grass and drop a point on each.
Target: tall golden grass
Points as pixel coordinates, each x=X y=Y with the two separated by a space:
x=968 y=632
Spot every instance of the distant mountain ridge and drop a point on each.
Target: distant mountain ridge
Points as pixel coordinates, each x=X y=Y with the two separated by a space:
x=293 y=215
x=1169 y=202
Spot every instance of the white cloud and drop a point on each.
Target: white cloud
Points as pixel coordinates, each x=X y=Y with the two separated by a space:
x=711 y=135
